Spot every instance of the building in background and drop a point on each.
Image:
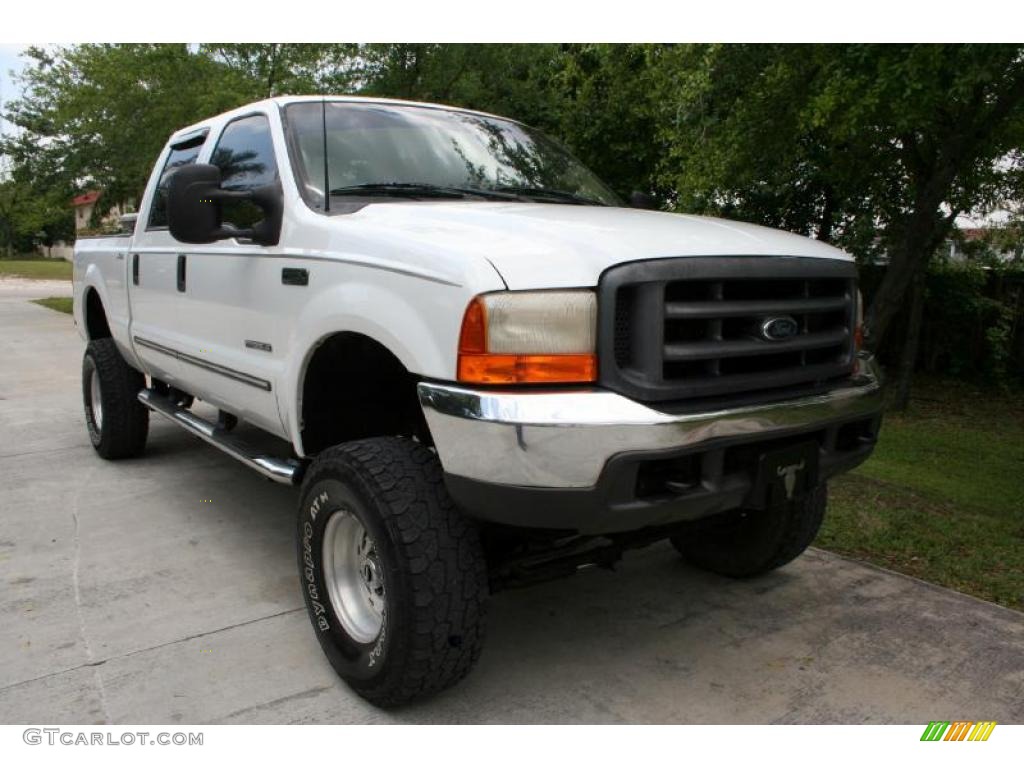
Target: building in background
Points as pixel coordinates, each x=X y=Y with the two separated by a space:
x=996 y=234
x=85 y=224
x=85 y=204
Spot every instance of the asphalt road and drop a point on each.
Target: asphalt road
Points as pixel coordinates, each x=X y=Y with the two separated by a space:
x=164 y=590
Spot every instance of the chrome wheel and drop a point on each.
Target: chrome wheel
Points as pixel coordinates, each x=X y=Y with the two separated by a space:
x=354 y=576
x=95 y=400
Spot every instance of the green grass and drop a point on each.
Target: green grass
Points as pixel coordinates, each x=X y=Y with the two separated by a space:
x=942 y=498
x=59 y=303
x=36 y=269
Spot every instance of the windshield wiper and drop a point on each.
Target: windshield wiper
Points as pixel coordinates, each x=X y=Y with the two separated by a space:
x=397 y=189
x=546 y=193
x=409 y=189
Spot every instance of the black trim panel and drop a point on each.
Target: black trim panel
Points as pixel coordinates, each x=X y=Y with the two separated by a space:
x=294 y=276
x=230 y=373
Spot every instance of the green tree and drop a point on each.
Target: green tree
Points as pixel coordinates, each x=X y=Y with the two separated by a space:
x=507 y=79
x=874 y=147
x=31 y=216
x=102 y=113
x=605 y=113
x=276 y=69
x=34 y=205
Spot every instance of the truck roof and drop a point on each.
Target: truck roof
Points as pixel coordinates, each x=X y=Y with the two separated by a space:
x=281 y=101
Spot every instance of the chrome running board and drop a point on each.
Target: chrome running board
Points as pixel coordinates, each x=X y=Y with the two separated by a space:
x=287 y=471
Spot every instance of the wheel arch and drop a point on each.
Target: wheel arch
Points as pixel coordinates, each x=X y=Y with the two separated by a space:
x=94 y=315
x=416 y=327
x=353 y=386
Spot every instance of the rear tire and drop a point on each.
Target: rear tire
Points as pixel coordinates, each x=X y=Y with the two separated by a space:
x=115 y=419
x=757 y=541
x=393 y=576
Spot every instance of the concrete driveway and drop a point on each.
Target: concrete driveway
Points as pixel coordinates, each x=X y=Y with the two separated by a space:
x=164 y=590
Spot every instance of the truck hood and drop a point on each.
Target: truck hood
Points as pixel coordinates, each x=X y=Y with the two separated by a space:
x=535 y=245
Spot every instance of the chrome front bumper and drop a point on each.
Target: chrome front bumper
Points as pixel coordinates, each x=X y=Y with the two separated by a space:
x=564 y=439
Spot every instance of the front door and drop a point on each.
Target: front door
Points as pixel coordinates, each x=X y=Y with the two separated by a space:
x=230 y=315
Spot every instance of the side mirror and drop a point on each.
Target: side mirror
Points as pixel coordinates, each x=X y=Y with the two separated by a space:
x=194 y=198
x=642 y=200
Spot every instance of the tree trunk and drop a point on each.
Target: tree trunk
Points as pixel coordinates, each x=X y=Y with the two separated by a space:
x=923 y=233
x=911 y=342
x=828 y=215
x=272 y=70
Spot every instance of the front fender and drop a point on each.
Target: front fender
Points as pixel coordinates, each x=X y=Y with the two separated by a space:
x=418 y=321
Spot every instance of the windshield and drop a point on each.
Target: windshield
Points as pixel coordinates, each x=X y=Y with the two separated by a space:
x=409 y=152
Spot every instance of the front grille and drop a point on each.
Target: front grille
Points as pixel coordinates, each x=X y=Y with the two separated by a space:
x=674 y=329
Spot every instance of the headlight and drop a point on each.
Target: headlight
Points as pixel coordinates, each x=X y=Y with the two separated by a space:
x=529 y=337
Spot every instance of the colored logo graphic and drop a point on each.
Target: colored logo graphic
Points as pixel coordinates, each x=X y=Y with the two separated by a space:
x=958 y=730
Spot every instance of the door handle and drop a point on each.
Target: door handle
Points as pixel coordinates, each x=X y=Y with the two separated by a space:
x=135 y=269
x=181 y=272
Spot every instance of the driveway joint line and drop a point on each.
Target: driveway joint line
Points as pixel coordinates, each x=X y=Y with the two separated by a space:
x=158 y=646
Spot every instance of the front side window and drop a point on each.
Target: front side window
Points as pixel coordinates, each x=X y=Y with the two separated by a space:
x=182 y=153
x=384 y=150
x=245 y=156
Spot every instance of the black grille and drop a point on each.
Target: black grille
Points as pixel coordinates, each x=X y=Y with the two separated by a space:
x=695 y=327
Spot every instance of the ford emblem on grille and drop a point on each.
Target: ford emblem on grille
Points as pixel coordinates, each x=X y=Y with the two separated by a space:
x=779 y=328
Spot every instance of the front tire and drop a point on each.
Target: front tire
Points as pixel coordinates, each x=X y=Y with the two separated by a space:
x=393 y=576
x=756 y=541
x=117 y=422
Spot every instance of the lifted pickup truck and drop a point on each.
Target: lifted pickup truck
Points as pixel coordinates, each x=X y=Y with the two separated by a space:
x=482 y=368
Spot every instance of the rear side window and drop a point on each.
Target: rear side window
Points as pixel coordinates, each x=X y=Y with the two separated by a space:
x=182 y=153
x=245 y=156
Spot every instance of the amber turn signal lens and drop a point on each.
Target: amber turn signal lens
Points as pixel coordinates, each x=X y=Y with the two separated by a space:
x=473 y=336
x=527 y=369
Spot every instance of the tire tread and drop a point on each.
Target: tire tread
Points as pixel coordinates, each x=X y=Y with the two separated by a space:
x=125 y=419
x=749 y=547
x=440 y=554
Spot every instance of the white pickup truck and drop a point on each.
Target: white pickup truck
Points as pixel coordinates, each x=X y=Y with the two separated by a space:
x=481 y=367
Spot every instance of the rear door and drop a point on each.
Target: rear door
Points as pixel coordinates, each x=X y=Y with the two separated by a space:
x=155 y=270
